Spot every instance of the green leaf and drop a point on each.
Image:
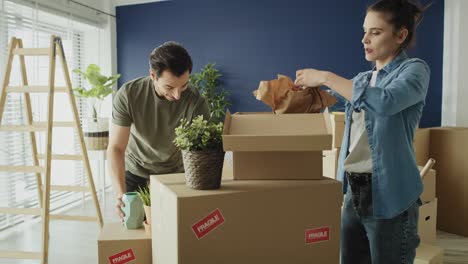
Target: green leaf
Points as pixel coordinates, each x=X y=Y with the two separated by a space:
x=199 y=134
x=99 y=86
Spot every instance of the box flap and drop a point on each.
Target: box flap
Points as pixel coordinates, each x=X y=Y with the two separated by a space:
x=277 y=132
x=116 y=231
x=338 y=116
x=175 y=183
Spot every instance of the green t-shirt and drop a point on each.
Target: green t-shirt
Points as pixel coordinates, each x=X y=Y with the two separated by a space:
x=150 y=148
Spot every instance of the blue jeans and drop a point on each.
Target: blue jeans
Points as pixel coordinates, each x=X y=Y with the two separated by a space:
x=366 y=239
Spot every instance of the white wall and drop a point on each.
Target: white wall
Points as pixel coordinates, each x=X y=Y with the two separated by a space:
x=455 y=71
x=455 y=88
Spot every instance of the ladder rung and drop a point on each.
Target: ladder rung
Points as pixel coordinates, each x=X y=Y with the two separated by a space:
x=20 y=255
x=62 y=157
x=25 y=169
x=69 y=188
x=22 y=128
x=35 y=127
x=32 y=51
x=73 y=218
x=38 y=211
x=34 y=89
x=56 y=124
x=21 y=211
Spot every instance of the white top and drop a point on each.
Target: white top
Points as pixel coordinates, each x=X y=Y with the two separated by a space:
x=359 y=159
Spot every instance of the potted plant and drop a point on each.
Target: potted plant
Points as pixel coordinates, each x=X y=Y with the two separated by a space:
x=202 y=152
x=95 y=128
x=207 y=82
x=146 y=198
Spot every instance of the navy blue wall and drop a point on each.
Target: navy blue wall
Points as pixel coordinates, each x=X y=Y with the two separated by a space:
x=252 y=41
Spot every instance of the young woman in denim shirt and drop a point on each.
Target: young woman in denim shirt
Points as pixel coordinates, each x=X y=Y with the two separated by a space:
x=377 y=164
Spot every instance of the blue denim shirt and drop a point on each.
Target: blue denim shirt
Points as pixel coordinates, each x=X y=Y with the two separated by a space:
x=393 y=110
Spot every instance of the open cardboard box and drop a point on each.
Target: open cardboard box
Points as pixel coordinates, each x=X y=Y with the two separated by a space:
x=269 y=146
x=429 y=186
x=421 y=144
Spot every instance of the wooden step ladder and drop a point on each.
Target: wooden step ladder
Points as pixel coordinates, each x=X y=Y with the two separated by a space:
x=55 y=49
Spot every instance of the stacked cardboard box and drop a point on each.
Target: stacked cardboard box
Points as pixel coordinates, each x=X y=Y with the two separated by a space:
x=277 y=147
x=116 y=244
x=427 y=252
x=449 y=147
x=427 y=224
x=330 y=163
x=274 y=207
x=330 y=157
x=338 y=125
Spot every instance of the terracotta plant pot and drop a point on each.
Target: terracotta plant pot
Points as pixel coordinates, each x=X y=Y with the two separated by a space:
x=147 y=213
x=147 y=227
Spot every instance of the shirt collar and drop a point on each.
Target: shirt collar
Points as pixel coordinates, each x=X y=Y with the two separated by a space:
x=394 y=63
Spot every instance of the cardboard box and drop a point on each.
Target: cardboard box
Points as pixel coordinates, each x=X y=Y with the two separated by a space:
x=330 y=163
x=227 y=166
x=429 y=185
x=261 y=221
x=338 y=126
x=277 y=146
x=117 y=245
x=421 y=144
x=428 y=222
x=449 y=147
x=429 y=254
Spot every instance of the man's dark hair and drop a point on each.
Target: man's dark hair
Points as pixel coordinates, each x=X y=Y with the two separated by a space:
x=170 y=56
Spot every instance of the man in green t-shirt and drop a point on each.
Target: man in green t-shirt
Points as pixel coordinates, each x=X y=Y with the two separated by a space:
x=144 y=115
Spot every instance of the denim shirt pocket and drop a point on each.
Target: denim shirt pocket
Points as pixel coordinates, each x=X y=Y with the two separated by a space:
x=360 y=84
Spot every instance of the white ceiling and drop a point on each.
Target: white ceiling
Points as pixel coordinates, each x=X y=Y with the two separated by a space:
x=134 y=2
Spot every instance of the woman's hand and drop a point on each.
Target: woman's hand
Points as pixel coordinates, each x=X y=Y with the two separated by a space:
x=310 y=78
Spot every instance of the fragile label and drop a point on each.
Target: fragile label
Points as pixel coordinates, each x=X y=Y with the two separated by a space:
x=317 y=235
x=208 y=224
x=122 y=257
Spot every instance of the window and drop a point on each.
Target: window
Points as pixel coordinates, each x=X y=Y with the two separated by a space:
x=34 y=26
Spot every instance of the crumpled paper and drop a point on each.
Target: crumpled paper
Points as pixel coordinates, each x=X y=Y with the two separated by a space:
x=283 y=96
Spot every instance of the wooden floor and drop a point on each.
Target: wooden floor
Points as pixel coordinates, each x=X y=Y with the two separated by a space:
x=456 y=247
x=71 y=242
x=76 y=242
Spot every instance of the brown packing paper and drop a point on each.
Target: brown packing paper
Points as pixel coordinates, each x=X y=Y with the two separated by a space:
x=285 y=97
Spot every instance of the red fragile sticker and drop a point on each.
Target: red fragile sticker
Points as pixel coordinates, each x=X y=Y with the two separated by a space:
x=208 y=224
x=122 y=257
x=317 y=235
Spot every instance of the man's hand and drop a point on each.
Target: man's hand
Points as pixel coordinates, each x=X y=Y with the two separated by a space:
x=118 y=208
x=310 y=78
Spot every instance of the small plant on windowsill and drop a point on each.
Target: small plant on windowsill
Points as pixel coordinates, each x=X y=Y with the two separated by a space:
x=95 y=128
x=202 y=152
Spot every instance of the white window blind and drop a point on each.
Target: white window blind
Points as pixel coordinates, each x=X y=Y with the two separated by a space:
x=34 y=26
